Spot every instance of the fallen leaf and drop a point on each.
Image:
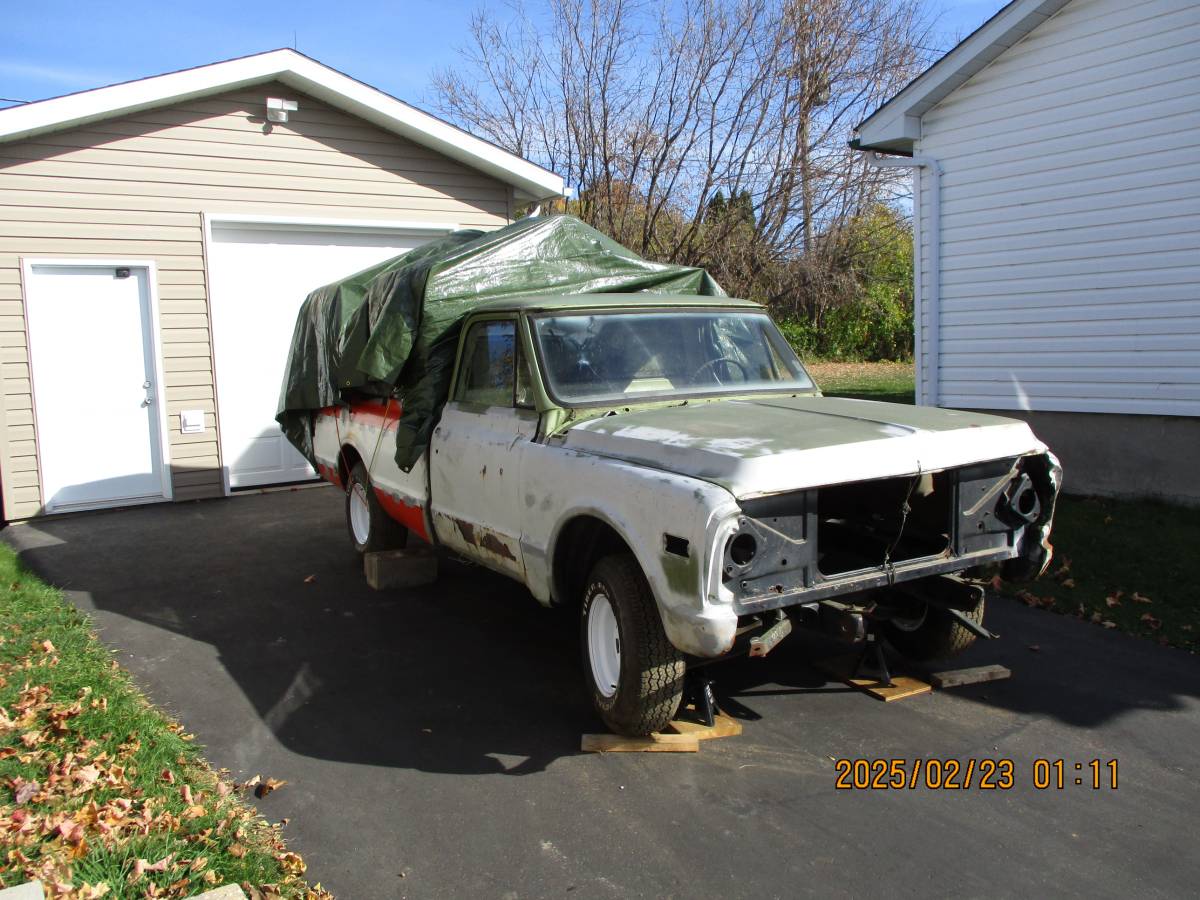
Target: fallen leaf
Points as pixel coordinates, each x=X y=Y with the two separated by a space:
x=1096 y=617
x=186 y=793
x=251 y=782
x=199 y=863
x=1034 y=647
x=1027 y=598
x=1068 y=582
x=1108 y=520
x=1152 y=622
x=1108 y=623
x=168 y=776
x=23 y=790
x=1139 y=598
x=293 y=863
x=1113 y=599
x=265 y=787
x=194 y=812
x=237 y=851
x=141 y=867
x=71 y=832
x=310 y=579
x=47 y=647
x=211 y=877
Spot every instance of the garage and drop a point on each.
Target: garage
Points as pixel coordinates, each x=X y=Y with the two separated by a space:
x=158 y=238
x=260 y=273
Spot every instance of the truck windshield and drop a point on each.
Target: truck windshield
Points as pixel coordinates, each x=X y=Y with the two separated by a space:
x=609 y=356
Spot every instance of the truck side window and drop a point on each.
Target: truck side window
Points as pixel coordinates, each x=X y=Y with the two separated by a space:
x=488 y=364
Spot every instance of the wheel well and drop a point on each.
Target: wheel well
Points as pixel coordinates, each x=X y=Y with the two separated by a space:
x=582 y=543
x=347 y=459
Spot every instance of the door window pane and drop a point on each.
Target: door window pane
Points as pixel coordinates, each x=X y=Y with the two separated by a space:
x=488 y=364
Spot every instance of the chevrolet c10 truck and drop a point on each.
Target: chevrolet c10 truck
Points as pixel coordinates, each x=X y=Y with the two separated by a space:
x=666 y=464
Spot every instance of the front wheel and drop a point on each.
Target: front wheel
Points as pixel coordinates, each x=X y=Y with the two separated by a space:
x=371 y=528
x=634 y=673
x=930 y=633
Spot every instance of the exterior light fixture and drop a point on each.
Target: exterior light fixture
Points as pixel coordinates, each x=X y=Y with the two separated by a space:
x=277 y=109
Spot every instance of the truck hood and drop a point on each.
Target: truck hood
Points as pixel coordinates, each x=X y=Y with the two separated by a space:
x=769 y=445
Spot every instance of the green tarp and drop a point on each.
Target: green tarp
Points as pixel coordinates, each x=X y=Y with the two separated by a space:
x=393 y=328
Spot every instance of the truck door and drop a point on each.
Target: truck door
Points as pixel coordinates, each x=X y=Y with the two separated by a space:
x=477 y=449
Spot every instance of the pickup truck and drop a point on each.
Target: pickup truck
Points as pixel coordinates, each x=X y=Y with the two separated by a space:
x=666 y=464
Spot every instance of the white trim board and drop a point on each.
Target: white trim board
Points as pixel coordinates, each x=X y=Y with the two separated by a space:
x=160 y=392
x=297 y=71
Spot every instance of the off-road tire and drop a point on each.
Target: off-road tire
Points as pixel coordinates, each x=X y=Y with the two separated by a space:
x=384 y=532
x=650 y=684
x=940 y=636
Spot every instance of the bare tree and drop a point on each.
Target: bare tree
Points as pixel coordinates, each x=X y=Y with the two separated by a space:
x=653 y=110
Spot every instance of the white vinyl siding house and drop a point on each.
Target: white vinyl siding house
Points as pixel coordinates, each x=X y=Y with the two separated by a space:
x=176 y=179
x=1066 y=277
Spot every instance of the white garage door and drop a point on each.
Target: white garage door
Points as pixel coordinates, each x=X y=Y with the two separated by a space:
x=260 y=274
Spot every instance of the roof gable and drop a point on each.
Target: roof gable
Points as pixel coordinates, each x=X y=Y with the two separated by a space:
x=298 y=71
x=896 y=125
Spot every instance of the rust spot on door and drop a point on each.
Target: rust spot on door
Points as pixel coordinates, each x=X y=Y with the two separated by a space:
x=495 y=545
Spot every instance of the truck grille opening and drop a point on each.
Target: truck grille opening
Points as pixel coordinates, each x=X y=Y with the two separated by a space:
x=859 y=525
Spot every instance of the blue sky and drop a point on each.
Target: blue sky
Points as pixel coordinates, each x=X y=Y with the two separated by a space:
x=52 y=47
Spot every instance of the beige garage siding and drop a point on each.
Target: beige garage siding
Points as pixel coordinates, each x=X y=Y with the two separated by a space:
x=136 y=188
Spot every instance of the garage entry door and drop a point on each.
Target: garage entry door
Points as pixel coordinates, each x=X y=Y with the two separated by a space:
x=259 y=275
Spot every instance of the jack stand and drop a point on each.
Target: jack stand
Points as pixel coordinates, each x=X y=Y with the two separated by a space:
x=698 y=691
x=876 y=661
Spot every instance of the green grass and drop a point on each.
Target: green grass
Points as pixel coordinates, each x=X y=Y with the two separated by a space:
x=1106 y=551
x=890 y=382
x=117 y=781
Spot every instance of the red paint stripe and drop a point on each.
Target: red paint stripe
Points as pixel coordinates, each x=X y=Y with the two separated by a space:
x=410 y=516
x=373 y=413
x=330 y=474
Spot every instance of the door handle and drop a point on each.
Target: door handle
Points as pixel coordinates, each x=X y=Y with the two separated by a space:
x=149 y=401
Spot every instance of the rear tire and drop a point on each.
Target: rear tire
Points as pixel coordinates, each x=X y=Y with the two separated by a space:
x=937 y=636
x=371 y=528
x=634 y=674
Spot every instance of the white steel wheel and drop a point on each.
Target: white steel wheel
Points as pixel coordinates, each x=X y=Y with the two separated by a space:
x=633 y=673
x=604 y=646
x=360 y=513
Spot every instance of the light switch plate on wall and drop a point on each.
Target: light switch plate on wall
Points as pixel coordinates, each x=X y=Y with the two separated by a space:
x=191 y=421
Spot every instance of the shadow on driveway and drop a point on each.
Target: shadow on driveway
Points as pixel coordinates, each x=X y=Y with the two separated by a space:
x=434 y=679
x=448 y=677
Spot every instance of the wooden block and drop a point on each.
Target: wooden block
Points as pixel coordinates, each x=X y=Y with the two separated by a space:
x=958 y=677
x=411 y=567
x=902 y=685
x=655 y=743
x=723 y=726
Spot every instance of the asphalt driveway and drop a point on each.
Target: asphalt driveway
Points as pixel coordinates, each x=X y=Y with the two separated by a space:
x=430 y=737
